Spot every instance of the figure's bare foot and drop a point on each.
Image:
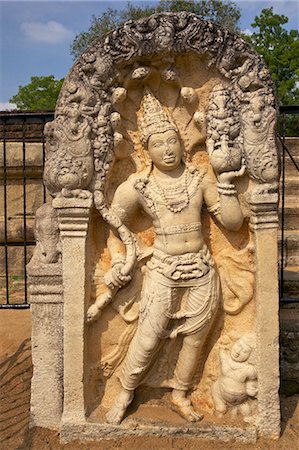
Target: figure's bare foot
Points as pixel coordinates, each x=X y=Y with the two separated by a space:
x=184 y=406
x=116 y=414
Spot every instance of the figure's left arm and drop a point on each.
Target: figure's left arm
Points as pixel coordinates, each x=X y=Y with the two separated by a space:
x=221 y=199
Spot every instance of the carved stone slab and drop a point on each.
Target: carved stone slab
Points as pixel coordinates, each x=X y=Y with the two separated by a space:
x=163 y=164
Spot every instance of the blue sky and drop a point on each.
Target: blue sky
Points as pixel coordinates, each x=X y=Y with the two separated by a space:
x=36 y=35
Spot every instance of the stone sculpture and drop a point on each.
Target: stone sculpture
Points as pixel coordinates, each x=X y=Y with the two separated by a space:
x=237 y=384
x=171 y=193
x=163 y=168
x=223 y=143
x=258 y=120
x=47 y=250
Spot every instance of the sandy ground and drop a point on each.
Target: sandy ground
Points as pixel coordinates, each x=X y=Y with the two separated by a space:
x=15 y=376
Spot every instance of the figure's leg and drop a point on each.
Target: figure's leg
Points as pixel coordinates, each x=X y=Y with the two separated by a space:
x=184 y=374
x=246 y=411
x=152 y=321
x=220 y=407
x=189 y=357
x=140 y=354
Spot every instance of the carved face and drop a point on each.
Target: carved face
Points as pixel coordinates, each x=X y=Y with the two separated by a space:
x=220 y=101
x=240 y=352
x=257 y=103
x=165 y=150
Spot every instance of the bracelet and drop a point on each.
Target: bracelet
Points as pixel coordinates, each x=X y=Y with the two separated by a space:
x=226 y=189
x=215 y=209
x=118 y=260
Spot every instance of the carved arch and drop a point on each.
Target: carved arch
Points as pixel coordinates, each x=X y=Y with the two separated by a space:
x=88 y=133
x=82 y=138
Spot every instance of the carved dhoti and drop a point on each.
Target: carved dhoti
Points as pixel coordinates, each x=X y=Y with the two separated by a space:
x=180 y=296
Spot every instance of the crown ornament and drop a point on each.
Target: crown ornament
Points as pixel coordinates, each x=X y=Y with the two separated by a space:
x=153 y=117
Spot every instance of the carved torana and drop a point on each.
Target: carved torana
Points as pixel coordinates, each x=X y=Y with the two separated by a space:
x=163 y=166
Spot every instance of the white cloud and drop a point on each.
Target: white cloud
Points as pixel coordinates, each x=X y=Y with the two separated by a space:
x=51 y=32
x=6 y=106
x=247 y=32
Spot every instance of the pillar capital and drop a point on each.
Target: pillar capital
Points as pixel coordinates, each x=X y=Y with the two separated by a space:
x=264 y=211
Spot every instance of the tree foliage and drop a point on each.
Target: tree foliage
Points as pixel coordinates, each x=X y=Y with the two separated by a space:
x=40 y=94
x=226 y=13
x=280 y=51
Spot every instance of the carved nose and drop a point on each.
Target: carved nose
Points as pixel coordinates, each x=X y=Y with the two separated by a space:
x=222 y=113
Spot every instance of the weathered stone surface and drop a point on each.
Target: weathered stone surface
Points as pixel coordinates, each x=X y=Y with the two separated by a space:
x=102 y=432
x=264 y=223
x=289 y=348
x=46 y=298
x=161 y=116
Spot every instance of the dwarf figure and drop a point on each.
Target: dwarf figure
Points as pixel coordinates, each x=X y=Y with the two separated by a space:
x=237 y=385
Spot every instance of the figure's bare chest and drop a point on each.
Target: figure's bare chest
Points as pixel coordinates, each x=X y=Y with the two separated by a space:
x=164 y=216
x=173 y=203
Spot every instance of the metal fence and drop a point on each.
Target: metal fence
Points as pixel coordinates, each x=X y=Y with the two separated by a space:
x=19 y=132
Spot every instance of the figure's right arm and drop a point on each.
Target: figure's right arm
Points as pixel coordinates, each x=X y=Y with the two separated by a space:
x=125 y=205
x=224 y=361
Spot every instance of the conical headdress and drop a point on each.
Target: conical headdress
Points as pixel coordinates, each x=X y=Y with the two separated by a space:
x=153 y=117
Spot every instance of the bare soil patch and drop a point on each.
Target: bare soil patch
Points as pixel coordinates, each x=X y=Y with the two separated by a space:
x=15 y=376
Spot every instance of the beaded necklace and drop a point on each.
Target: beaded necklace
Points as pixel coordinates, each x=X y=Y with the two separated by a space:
x=177 y=197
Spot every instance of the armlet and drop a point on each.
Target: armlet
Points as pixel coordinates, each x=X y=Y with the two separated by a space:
x=120 y=212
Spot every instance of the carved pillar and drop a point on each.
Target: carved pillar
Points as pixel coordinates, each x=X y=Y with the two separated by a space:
x=264 y=224
x=73 y=214
x=47 y=344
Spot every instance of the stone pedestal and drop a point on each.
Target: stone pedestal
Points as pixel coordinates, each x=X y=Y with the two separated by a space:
x=46 y=299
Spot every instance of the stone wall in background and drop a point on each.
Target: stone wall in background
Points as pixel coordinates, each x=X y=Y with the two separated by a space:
x=15 y=189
